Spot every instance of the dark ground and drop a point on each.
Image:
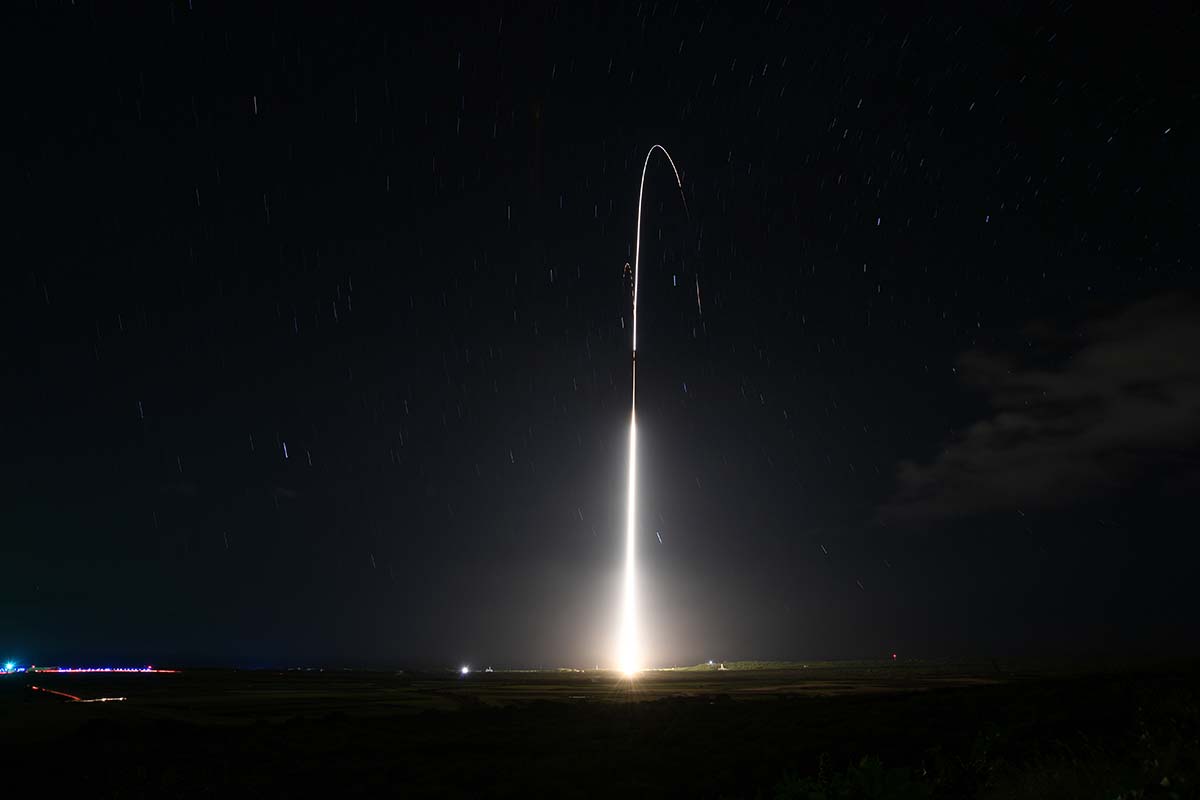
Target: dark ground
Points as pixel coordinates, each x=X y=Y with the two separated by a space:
x=886 y=730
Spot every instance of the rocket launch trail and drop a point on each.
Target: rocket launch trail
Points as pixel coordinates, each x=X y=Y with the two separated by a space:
x=629 y=642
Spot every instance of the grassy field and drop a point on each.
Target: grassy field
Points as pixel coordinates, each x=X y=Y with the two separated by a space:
x=815 y=730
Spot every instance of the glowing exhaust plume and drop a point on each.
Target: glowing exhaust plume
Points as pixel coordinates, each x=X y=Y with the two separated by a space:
x=629 y=656
x=629 y=653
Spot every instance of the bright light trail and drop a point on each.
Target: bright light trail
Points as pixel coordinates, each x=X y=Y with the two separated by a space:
x=75 y=699
x=629 y=655
x=103 y=700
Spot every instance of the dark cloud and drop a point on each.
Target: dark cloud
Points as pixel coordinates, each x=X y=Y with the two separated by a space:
x=1120 y=399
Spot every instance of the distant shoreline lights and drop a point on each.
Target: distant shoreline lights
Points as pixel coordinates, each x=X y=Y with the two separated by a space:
x=10 y=667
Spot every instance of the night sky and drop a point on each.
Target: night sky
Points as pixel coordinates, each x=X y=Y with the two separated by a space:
x=317 y=330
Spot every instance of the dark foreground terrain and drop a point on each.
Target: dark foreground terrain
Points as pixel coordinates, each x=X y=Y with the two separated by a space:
x=861 y=730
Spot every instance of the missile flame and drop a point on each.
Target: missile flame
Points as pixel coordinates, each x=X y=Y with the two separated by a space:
x=629 y=657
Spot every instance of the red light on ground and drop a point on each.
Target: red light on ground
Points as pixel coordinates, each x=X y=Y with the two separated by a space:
x=60 y=694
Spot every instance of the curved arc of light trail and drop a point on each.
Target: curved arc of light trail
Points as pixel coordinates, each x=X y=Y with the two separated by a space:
x=629 y=656
x=637 y=244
